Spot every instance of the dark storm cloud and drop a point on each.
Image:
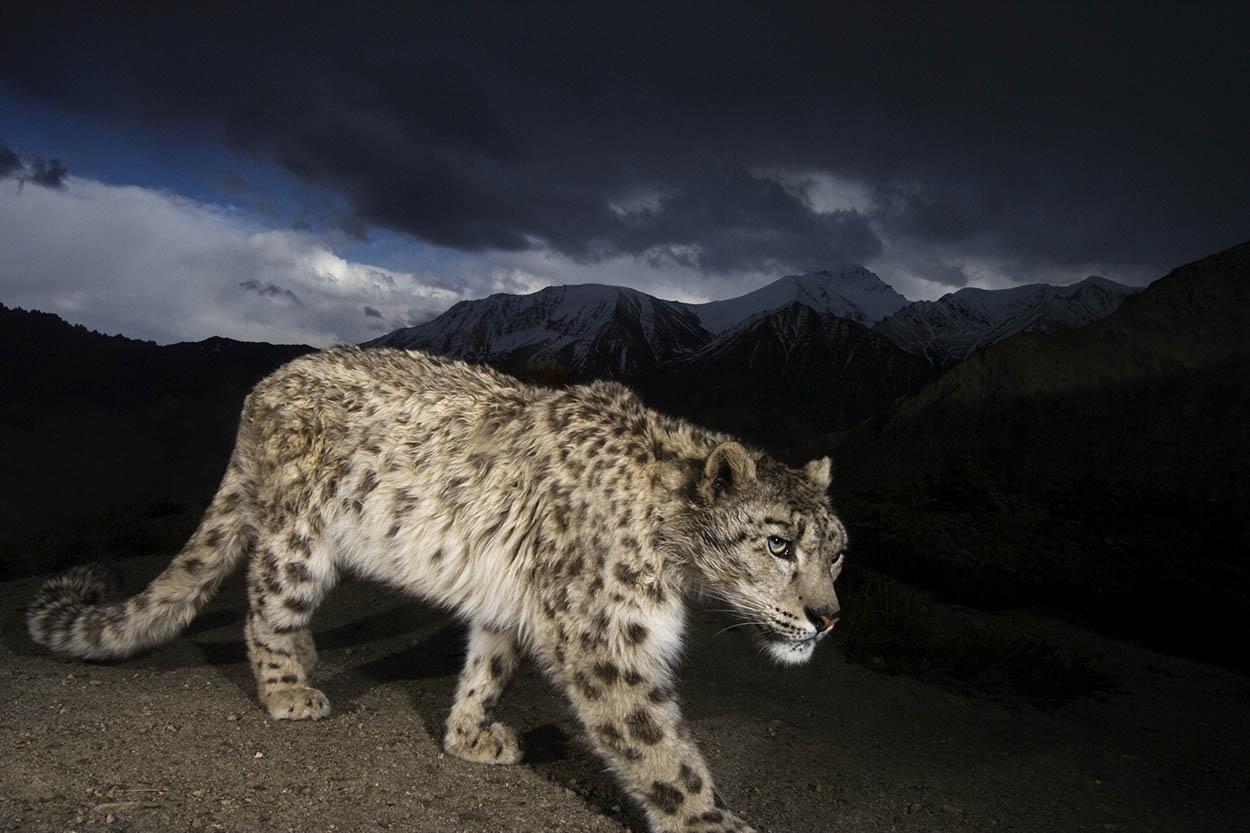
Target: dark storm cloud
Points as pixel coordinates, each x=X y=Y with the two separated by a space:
x=48 y=173
x=269 y=290
x=10 y=164
x=940 y=217
x=1061 y=134
x=947 y=274
x=740 y=220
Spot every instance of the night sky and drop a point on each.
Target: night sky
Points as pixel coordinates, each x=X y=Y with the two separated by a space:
x=296 y=176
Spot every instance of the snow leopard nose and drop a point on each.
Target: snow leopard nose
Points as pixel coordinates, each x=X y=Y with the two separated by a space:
x=823 y=618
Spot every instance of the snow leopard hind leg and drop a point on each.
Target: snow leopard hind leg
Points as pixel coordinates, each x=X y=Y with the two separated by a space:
x=284 y=590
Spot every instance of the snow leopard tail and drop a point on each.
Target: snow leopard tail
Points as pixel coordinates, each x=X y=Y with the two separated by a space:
x=74 y=613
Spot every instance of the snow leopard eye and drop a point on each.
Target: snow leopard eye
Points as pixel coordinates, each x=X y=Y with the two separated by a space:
x=836 y=566
x=780 y=547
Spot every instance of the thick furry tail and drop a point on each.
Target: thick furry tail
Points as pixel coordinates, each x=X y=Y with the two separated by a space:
x=72 y=613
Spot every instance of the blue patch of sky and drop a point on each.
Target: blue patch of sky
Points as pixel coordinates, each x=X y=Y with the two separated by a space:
x=201 y=167
x=194 y=166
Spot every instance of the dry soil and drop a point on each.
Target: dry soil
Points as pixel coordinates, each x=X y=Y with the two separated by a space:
x=175 y=740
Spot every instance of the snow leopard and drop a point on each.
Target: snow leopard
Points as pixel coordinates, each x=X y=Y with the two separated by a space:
x=572 y=525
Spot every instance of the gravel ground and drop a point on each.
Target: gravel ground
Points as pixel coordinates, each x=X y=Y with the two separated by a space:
x=175 y=740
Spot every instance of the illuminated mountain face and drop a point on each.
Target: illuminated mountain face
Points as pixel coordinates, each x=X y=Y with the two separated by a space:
x=957 y=325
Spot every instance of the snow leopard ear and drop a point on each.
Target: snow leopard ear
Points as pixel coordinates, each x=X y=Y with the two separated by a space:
x=729 y=468
x=820 y=472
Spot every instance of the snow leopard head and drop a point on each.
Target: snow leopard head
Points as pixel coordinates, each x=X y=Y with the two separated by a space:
x=768 y=542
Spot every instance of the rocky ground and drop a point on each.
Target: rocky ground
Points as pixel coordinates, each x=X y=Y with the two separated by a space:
x=175 y=740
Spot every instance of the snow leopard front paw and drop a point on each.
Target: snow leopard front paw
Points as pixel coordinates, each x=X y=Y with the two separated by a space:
x=715 y=821
x=483 y=743
x=297 y=704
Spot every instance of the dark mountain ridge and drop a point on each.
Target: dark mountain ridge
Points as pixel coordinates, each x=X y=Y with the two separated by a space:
x=92 y=422
x=1170 y=365
x=787 y=380
x=1103 y=471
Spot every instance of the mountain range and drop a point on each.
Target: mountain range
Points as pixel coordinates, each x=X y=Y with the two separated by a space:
x=957 y=325
x=582 y=332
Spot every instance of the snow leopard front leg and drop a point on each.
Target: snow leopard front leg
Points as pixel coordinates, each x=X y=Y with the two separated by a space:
x=623 y=694
x=472 y=733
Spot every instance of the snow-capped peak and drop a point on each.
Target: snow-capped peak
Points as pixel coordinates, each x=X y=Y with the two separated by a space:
x=585 y=329
x=852 y=292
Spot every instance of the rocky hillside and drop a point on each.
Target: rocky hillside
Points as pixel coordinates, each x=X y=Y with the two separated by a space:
x=1105 y=469
x=787 y=379
x=91 y=423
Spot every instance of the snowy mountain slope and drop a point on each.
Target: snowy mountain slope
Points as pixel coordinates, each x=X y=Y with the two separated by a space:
x=853 y=293
x=957 y=325
x=585 y=331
